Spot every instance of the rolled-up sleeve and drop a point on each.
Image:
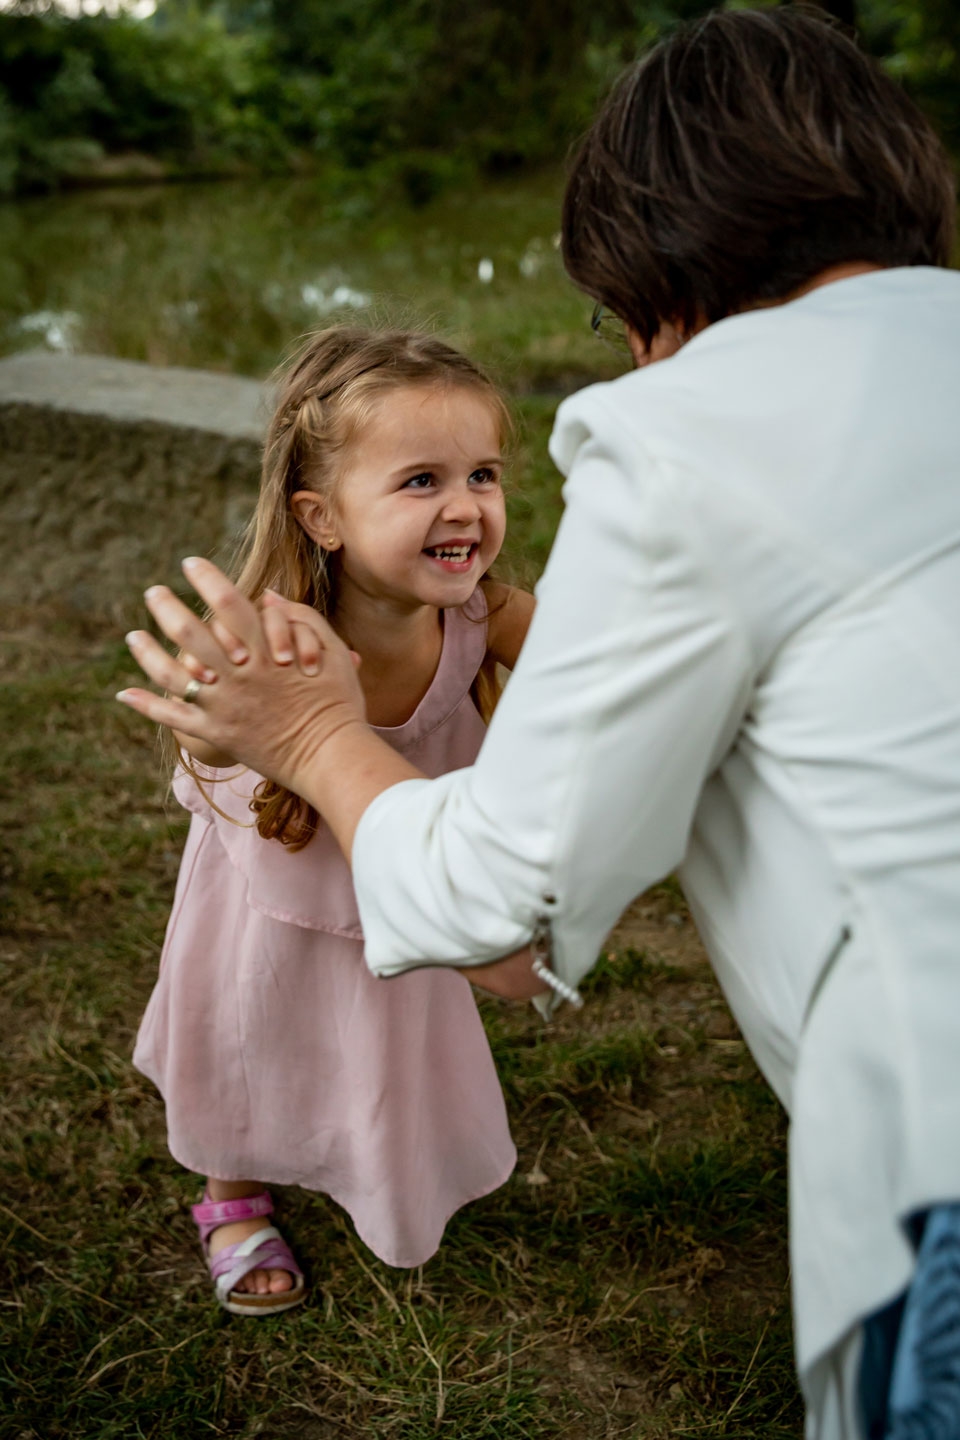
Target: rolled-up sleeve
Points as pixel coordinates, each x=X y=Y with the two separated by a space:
x=629 y=689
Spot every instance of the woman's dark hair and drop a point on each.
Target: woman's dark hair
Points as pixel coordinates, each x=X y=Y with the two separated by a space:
x=745 y=153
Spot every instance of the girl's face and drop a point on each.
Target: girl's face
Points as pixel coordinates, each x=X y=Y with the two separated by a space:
x=418 y=512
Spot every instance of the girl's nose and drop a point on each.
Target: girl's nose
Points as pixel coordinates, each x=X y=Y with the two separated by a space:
x=461 y=507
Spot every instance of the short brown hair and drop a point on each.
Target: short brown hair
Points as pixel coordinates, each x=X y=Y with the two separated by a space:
x=745 y=153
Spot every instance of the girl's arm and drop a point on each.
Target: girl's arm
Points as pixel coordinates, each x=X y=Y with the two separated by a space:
x=509 y=614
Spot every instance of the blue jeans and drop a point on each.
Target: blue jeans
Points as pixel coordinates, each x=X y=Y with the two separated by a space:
x=910 y=1371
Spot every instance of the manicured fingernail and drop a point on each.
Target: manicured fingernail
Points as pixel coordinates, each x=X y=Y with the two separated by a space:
x=123 y=696
x=152 y=592
x=310 y=667
x=239 y=656
x=283 y=657
x=190 y=562
x=207 y=677
x=132 y=637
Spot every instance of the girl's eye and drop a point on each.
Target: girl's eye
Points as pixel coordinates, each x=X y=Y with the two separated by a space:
x=418 y=482
x=483 y=477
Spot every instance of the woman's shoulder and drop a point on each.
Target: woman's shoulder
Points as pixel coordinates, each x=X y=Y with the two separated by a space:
x=748 y=382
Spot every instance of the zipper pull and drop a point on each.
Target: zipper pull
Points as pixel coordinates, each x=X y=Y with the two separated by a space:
x=541 y=947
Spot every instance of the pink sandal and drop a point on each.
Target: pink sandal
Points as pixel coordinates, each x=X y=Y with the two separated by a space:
x=266 y=1249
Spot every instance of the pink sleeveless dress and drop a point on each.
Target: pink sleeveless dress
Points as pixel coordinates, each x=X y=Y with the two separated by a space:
x=280 y=1057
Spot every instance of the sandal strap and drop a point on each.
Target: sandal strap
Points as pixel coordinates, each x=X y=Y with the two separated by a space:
x=209 y=1215
x=266 y=1249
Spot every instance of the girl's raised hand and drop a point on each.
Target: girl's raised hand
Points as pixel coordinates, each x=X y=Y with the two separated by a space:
x=261 y=708
x=289 y=632
x=289 y=637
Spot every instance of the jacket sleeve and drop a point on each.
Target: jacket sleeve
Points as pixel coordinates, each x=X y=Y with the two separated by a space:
x=629 y=690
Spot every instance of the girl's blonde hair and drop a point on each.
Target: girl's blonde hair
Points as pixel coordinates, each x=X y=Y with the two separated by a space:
x=324 y=395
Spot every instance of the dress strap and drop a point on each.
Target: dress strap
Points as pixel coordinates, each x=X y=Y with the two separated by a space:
x=464 y=648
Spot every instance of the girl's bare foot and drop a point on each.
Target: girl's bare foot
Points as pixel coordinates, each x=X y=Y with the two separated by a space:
x=257 y=1282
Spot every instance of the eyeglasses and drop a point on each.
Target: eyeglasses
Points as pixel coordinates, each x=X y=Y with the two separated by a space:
x=610 y=329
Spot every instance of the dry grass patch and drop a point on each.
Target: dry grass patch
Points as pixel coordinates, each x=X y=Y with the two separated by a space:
x=630 y=1279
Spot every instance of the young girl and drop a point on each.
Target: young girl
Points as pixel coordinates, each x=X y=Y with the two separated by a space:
x=279 y=1057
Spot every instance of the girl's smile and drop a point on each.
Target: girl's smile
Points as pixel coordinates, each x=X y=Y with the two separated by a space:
x=456 y=558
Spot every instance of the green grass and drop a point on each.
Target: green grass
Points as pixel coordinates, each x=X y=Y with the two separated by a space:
x=224 y=276
x=629 y=1280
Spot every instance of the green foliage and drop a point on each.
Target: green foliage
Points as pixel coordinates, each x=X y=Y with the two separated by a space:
x=189 y=92
x=419 y=91
x=919 y=41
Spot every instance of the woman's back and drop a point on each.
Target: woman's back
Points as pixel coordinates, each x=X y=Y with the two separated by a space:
x=809 y=456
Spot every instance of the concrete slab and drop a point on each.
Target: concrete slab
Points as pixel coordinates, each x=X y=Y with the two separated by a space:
x=127 y=391
x=111 y=471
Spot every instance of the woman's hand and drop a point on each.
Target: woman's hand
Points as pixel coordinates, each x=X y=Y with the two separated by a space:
x=289 y=637
x=271 y=716
x=307 y=731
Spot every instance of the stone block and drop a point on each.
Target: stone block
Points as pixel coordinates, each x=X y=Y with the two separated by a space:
x=111 y=471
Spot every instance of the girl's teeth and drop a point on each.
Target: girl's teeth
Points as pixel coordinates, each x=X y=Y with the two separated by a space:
x=458 y=552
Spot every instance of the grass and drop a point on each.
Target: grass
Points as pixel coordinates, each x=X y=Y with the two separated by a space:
x=222 y=276
x=629 y=1280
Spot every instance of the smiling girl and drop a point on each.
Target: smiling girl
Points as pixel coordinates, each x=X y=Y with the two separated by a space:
x=280 y=1058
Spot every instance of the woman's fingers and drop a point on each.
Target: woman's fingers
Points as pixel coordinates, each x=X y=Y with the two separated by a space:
x=166 y=710
x=185 y=629
x=234 y=611
x=163 y=668
x=269 y=717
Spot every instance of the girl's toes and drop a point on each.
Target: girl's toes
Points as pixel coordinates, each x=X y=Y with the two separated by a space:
x=280 y=1280
x=262 y=1278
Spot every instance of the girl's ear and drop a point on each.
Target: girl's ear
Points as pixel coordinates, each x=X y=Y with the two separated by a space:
x=314 y=514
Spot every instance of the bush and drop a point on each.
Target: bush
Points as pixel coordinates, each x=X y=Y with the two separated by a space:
x=188 y=91
x=417 y=91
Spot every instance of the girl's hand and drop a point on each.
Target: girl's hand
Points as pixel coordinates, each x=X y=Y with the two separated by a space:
x=511 y=978
x=289 y=632
x=273 y=718
x=288 y=638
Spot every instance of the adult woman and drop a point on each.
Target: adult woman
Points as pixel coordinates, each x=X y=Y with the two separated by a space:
x=744 y=659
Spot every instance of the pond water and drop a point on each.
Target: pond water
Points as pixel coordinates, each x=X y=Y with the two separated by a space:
x=225 y=275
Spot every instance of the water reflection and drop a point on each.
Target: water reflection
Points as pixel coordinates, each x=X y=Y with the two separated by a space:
x=226 y=275
x=57 y=330
x=341 y=297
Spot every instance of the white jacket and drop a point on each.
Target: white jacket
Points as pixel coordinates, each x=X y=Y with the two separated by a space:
x=745 y=662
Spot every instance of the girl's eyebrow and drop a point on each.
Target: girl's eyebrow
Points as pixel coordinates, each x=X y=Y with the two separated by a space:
x=416 y=465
